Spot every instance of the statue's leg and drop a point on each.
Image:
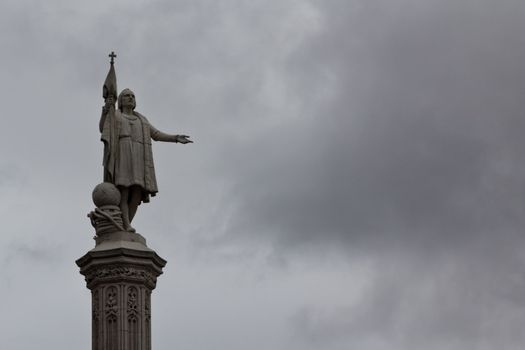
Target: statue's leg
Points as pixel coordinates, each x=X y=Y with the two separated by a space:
x=134 y=199
x=124 y=207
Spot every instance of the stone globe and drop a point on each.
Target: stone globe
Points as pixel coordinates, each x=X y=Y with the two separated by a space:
x=106 y=194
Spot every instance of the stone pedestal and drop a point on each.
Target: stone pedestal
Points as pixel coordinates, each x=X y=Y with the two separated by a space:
x=121 y=272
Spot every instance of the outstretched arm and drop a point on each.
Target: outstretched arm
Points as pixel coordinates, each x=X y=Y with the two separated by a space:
x=158 y=135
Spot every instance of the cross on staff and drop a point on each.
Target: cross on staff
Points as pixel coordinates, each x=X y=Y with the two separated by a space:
x=112 y=55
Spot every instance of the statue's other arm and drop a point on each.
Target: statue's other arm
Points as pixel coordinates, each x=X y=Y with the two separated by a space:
x=105 y=110
x=102 y=118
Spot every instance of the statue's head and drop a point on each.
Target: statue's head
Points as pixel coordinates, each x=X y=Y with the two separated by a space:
x=126 y=98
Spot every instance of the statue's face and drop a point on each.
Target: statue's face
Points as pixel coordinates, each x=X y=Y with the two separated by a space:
x=128 y=99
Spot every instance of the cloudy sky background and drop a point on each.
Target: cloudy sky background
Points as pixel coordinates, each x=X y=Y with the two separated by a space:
x=356 y=181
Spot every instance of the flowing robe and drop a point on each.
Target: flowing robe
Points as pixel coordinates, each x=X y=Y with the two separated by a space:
x=128 y=158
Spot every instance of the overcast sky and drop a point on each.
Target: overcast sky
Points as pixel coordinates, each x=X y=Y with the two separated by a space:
x=356 y=181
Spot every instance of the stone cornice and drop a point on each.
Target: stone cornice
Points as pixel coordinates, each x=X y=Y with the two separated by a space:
x=117 y=262
x=122 y=253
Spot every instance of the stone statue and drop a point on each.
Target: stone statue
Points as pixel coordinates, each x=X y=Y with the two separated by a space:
x=128 y=158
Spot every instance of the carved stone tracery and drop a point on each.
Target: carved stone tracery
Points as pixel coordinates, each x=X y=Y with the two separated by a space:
x=110 y=272
x=133 y=318
x=111 y=301
x=132 y=301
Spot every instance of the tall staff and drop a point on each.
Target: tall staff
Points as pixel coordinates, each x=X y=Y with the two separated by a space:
x=109 y=93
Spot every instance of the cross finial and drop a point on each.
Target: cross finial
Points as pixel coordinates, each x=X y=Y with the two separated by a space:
x=112 y=55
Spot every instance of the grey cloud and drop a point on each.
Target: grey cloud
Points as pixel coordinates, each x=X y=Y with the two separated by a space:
x=409 y=146
x=452 y=303
x=408 y=151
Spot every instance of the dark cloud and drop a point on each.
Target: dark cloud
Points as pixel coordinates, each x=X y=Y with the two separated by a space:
x=408 y=151
x=418 y=134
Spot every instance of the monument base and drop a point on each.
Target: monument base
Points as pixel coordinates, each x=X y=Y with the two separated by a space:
x=121 y=272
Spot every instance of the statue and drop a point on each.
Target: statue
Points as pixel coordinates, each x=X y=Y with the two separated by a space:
x=128 y=158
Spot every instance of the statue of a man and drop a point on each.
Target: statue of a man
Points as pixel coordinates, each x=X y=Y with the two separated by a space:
x=128 y=159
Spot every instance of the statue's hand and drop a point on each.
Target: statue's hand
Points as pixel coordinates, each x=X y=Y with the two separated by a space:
x=183 y=139
x=110 y=101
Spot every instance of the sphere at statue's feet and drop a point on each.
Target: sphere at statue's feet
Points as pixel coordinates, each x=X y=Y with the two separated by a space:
x=106 y=194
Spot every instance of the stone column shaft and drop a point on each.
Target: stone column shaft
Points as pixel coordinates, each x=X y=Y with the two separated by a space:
x=121 y=317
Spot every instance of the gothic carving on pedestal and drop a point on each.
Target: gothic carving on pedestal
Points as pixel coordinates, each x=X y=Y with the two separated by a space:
x=132 y=318
x=118 y=271
x=111 y=313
